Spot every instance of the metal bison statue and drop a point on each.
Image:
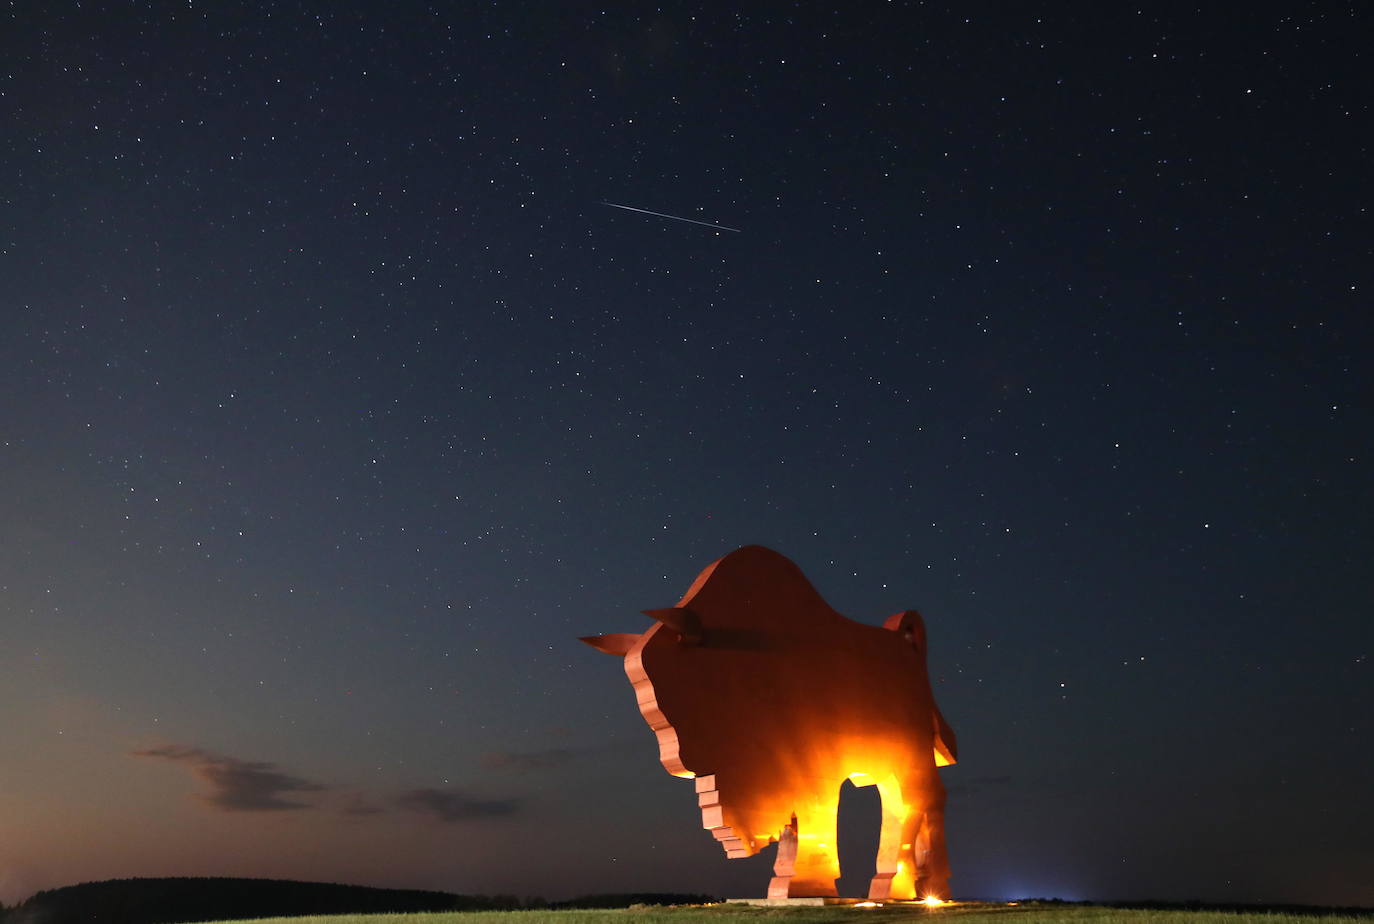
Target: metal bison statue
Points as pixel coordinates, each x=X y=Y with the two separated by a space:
x=770 y=699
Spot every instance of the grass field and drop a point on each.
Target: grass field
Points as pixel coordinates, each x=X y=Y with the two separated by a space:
x=730 y=914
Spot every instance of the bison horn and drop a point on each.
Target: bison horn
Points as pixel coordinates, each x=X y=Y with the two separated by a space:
x=682 y=621
x=616 y=643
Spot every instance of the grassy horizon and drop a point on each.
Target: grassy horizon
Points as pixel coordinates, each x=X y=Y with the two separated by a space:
x=728 y=914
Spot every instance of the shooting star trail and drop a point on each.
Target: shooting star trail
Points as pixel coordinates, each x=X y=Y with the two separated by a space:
x=631 y=208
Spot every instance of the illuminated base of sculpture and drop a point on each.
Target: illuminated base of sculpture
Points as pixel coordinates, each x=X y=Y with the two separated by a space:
x=816 y=900
x=794 y=902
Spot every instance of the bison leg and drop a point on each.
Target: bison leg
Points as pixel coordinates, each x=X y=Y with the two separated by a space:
x=785 y=863
x=894 y=870
x=932 y=862
x=810 y=863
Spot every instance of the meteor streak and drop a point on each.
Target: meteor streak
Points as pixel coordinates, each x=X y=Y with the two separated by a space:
x=631 y=208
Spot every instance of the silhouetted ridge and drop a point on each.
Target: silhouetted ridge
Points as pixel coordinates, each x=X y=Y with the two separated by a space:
x=1197 y=905
x=168 y=901
x=628 y=899
x=1243 y=908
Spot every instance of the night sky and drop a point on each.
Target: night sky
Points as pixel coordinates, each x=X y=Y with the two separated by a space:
x=335 y=403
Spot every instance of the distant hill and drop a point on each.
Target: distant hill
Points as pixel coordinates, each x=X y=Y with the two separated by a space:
x=629 y=899
x=165 y=901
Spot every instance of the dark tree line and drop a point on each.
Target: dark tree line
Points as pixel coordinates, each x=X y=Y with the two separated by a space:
x=165 y=901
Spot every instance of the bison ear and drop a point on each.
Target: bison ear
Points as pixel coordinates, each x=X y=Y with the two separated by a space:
x=910 y=626
x=681 y=620
x=617 y=643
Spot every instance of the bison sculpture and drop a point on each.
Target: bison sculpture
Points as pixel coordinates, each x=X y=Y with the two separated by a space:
x=770 y=699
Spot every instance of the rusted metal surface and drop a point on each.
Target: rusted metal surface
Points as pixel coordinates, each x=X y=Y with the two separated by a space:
x=770 y=699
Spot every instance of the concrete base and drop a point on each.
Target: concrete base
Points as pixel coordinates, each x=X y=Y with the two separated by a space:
x=794 y=902
x=814 y=901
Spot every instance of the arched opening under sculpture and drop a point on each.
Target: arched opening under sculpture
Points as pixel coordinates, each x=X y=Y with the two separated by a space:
x=860 y=821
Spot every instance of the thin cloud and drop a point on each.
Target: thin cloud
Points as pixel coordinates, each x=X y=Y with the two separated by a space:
x=452 y=806
x=527 y=761
x=359 y=804
x=237 y=785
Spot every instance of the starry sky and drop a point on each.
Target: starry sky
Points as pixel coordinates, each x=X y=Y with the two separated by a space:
x=336 y=403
